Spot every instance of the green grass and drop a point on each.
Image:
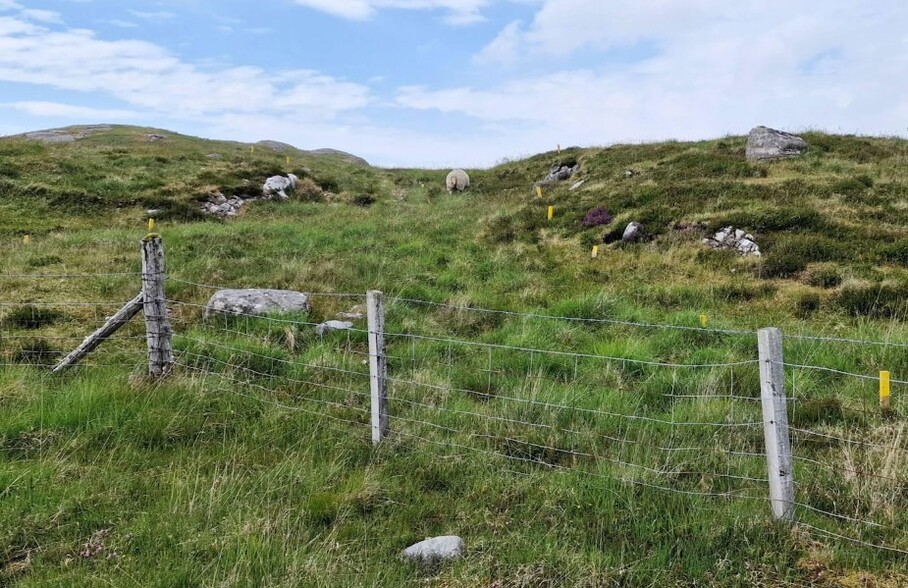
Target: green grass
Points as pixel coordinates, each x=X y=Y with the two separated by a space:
x=244 y=467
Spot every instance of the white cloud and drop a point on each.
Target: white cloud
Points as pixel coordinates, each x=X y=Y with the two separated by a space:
x=147 y=76
x=123 y=24
x=711 y=67
x=153 y=16
x=56 y=109
x=48 y=16
x=459 y=12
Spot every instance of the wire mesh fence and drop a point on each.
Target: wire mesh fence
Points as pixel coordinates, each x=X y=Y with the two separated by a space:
x=668 y=408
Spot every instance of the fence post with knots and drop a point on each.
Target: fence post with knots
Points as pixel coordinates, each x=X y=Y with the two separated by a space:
x=378 y=365
x=158 y=333
x=775 y=424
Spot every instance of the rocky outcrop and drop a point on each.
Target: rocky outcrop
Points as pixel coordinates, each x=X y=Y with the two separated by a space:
x=278 y=186
x=343 y=155
x=275 y=146
x=435 y=550
x=735 y=240
x=65 y=135
x=220 y=206
x=558 y=173
x=256 y=302
x=765 y=144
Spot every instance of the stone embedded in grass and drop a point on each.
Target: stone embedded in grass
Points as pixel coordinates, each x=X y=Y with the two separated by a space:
x=279 y=186
x=329 y=326
x=735 y=240
x=435 y=550
x=256 y=302
x=559 y=173
x=633 y=233
x=765 y=144
x=356 y=313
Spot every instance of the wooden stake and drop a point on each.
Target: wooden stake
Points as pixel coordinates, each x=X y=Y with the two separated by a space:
x=775 y=424
x=378 y=365
x=158 y=333
x=119 y=319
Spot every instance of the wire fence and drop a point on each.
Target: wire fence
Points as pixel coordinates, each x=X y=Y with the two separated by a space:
x=670 y=408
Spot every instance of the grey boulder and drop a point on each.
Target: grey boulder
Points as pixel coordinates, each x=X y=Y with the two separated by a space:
x=279 y=186
x=256 y=302
x=765 y=144
x=435 y=550
x=329 y=326
x=633 y=233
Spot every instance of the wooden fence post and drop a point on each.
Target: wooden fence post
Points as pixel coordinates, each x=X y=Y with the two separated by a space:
x=157 y=328
x=775 y=424
x=378 y=365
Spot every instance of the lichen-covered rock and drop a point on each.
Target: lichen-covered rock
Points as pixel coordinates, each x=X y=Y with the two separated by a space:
x=735 y=240
x=765 y=144
x=457 y=180
x=329 y=326
x=278 y=186
x=256 y=302
x=435 y=550
x=558 y=173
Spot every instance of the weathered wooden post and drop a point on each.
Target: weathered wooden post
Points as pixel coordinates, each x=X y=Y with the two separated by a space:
x=378 y=365
x=157 y=327
x=775 y=424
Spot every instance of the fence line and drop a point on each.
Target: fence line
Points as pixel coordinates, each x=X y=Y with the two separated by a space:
x=560 y=422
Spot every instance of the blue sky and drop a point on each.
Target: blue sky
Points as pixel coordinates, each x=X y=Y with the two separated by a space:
x=455 y=82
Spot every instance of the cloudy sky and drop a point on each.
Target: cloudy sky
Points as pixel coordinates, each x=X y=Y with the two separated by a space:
x=455 y=82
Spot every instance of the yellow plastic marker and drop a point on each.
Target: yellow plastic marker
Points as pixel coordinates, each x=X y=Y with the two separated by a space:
x=288 y=160
x=885 y=392
x=151 y=225
x=704 y=321
x=252 y=150
x=551 y=212
x=26 y=239
x=538 y=191
x=595 y=251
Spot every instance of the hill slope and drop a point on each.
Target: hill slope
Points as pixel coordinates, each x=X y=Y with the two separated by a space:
x=252 y=464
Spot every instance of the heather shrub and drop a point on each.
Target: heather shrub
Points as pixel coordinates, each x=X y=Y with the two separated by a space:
x=597 y=217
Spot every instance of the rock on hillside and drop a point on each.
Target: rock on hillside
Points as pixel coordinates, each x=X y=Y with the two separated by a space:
x=348 y=157
x=765 y=144
x=64 y=135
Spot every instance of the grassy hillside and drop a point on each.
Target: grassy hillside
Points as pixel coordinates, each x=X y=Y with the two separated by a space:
x=242 y=468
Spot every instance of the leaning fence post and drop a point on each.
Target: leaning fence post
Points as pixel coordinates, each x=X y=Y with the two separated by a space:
x=378 y=365
x=775 y=423
x=157 y=328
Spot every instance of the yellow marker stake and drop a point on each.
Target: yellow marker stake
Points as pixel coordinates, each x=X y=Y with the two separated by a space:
x=538 y=191
x=26 y=239
x=704 y=321
x=595 y=251
x=288 y=160
x=252 y=150
x=885 y=392
x=151 y=225
x=551 y=212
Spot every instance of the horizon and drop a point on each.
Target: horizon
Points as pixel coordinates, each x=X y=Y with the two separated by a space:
x=454 y=83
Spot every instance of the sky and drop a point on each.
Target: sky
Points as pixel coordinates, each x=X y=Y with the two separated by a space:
x=455 y=83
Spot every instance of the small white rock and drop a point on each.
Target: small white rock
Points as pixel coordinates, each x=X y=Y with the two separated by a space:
x=329 y=326
x=435 y=549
